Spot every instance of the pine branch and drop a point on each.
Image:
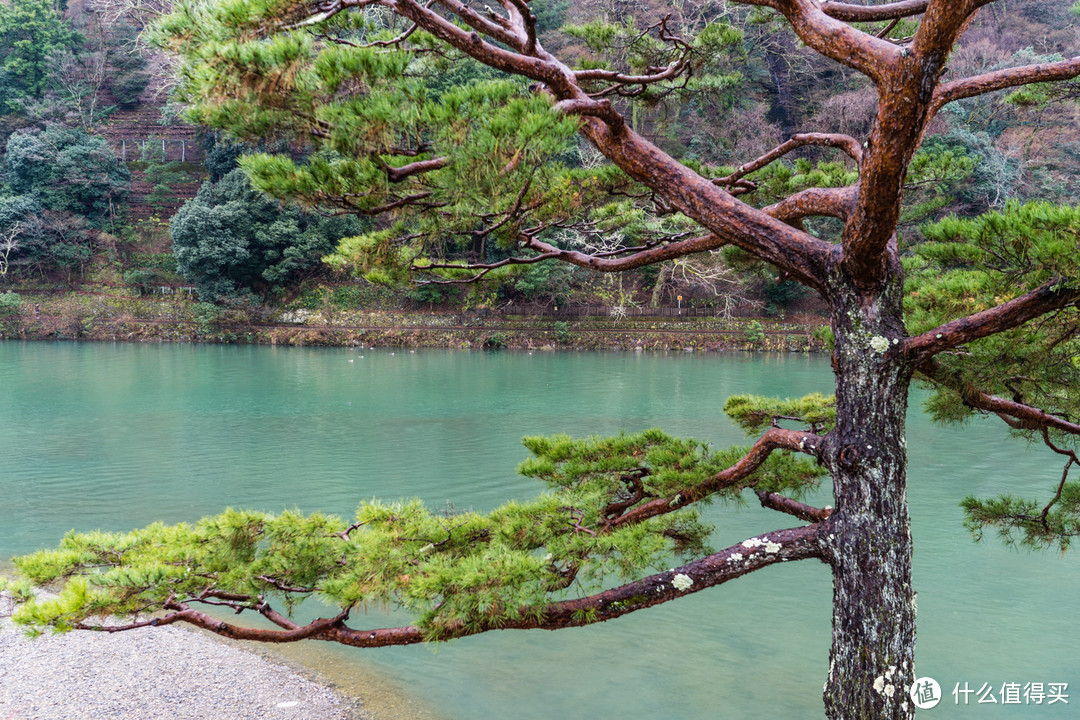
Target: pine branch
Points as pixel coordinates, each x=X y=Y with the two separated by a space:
x=591 y=107
x=399 y=174
x=495 y=27
x=1017 y=415
x=816 y=202
x=650 y=256
x=844 y=142
x=834 y=38
x=780 y=503
x=906 y=80
x=524 y=22
x=1047 y=298
x=774 y=439
x=874 y=13
x=1072 y=460
x=1002 y=79
x=545 y=69
x=728 y=564
x=668 y=72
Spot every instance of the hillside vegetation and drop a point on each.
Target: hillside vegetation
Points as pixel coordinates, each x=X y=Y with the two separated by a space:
x=108 y=189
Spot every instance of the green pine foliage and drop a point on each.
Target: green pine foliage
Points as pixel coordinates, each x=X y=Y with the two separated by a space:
x=1027 y=523
x=508 y=162
x=972 y=264
x=448 y=569
x=755 y=414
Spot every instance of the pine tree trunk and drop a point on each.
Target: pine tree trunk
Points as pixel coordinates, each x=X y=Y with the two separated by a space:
x=868 y=543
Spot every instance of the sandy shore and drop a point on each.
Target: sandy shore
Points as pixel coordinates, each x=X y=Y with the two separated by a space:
x=151 y=674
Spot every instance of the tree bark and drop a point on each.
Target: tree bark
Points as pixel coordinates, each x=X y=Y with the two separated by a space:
x=868 y=536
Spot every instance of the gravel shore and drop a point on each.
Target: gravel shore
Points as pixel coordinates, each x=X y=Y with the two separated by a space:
x=151 y=674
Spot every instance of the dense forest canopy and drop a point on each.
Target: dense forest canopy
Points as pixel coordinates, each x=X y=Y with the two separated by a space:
x=911 y=163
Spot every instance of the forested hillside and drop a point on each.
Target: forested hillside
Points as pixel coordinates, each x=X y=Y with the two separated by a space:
x=102 y=171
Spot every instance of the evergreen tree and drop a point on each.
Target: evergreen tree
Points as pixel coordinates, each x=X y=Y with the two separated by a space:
x=64 y=186
x=67 y=171
x=31 y=32
x=232 y=240
x=498 y=160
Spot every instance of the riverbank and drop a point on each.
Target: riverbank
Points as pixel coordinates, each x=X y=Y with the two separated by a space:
x=120 y=317
x=159 y=673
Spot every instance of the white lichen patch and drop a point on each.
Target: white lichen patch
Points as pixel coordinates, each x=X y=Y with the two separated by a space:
x=890 y=690
x=753 y=543
x=735 y=557
x=879 y=684
x=771 y=547
x=879 y=343
x=682 y=582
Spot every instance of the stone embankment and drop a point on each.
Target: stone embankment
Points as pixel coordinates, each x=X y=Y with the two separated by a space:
x=105 y=316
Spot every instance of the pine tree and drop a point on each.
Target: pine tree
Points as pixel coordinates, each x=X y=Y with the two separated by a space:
x=456 y=127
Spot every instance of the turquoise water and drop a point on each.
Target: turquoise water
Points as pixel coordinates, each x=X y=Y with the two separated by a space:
x=116 y=436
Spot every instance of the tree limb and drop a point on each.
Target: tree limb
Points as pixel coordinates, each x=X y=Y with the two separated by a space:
x=751 y=555
x=1016 y=312
x=1023 y=417
x=398 y=174
x=642 y=258
x=602 y=109
x=1002 y=79
x=906 y=84
x=845 y=142
x=834 y=38
x=780 y=503
x=470 y=43
x=775 y=438
x=493 y=28
x=732 y=222
x=670 y=71
x=816 y=202
x=873 y=13
x=483 y=268
x=1072 y=460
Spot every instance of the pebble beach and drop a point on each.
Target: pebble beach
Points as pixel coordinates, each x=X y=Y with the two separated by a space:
x=151 y=674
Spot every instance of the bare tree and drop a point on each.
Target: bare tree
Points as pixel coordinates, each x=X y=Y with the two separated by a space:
x=9 y=243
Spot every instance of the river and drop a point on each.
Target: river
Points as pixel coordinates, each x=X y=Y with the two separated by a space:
x=102 y=436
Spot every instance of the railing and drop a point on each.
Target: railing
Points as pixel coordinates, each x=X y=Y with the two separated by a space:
x=628 y=311
x=172 y=149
